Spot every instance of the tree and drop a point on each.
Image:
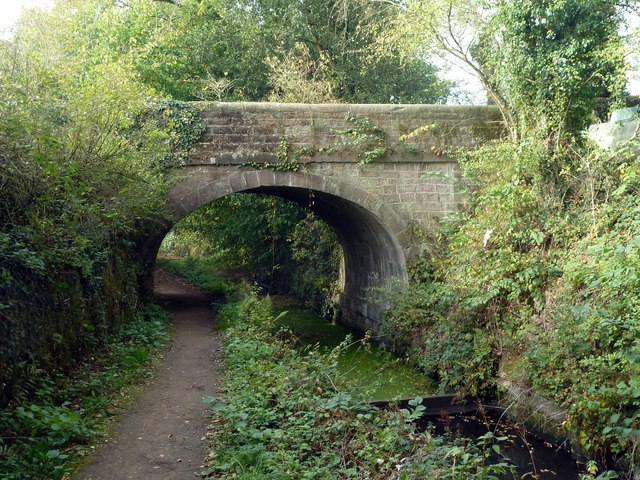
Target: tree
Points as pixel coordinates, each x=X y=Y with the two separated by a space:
x=342 y=33
x=542 y=62
x=80 y=174
x=297 y=78
x=225 y=50
x=206 y=49
x=283 y=247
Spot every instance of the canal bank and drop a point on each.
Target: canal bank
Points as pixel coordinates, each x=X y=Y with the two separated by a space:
x=386 y=381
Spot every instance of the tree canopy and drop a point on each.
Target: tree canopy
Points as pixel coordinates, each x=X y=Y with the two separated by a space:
x=220 y=49
x=544 y=63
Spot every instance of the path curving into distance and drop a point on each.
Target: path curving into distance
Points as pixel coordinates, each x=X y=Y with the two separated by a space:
x=162 y=435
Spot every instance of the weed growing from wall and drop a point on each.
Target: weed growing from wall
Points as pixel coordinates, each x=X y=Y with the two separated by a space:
x=368 y=138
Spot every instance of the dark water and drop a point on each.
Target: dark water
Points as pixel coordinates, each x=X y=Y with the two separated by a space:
x=377 y=375
x=532 y=456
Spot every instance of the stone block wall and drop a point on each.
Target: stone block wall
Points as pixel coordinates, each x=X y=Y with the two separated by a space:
x=419 y=192
x=415 y=176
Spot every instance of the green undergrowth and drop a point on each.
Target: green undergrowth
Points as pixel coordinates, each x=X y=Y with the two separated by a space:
x=283 y=415
x=201 y=271
x=279 y=244
x=370 y=371
x=44 y=436
x=541 y=291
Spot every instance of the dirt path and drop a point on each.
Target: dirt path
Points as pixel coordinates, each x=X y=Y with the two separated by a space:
x=162 y=436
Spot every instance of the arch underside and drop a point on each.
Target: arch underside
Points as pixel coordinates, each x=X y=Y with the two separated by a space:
x=370 y=232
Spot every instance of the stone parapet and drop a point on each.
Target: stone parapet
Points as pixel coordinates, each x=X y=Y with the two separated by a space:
x=238 y=133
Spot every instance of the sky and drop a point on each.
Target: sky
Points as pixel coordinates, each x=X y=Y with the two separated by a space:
x=10 y=12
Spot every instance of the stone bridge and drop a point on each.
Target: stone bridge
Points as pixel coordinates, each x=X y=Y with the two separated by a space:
x=372 y=172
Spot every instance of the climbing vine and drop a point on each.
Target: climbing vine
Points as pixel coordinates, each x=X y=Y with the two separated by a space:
x=366 y=136
x=184 y=126
x=289 y=159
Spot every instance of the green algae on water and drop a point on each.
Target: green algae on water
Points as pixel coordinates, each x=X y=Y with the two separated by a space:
x=366 y=368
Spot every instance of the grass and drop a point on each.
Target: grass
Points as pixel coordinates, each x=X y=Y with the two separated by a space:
x=202 y=272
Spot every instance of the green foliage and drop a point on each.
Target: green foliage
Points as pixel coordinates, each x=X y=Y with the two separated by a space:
x=317 y=255
x=365 y=136
x=592 y=329
x=58 y=423
x=288 y=161
x=200 y=271
x=250 y=50
x=340 y=35
x=555 y=59
x=547 y=298
x=544 y=63
x=298 y=78
x=84 y=144
x=74 y=308
x=42 y=437
x=247 y=50
x=281 y=416
x=490 y=272
x=182 y=122
x=442 y=342
x=274 y=242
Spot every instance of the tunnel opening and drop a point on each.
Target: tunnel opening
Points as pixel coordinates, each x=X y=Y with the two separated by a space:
x=275 y=244
x=372 y=235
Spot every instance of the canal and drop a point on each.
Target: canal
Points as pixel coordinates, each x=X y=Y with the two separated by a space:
x=377 y=376
x=367 y=369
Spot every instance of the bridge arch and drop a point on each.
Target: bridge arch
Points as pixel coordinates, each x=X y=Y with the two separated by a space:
x=371 y=233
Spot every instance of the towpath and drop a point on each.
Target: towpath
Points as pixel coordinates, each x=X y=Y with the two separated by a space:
x=162 y=435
